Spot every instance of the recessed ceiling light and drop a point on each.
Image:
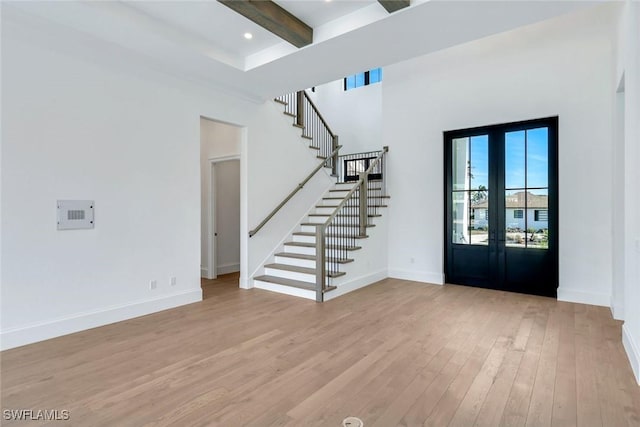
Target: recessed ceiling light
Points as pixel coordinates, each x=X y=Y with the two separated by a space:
x=248 y=36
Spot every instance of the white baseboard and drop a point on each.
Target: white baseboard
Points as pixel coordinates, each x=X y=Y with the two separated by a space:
x=17 y=337
x=582 y=297
x=356 y=283
x=617 y=310
x=204 y=272
x=228 y=268
x=418 y=276
x=245 y=283
x=633 y=351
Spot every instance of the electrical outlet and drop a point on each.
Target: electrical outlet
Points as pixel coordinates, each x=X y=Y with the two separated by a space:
x=153 y=284
x=174 y=281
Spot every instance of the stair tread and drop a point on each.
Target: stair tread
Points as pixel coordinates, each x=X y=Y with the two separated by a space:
x=313 y=245
x=313 y=257
x=307 y=137
x=314 y=148
x=336 y=225
x=287 y=282
x=347 y=215
x=286 y=113
x=281 y=102
x=309 y=234
x=298 y=126
x=347 y=189
x=352 y=207
x=368 y=197
x=304 y=270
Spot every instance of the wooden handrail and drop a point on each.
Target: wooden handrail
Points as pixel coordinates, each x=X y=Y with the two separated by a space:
x=321 y=229
x=318 y=113
x=356 y=186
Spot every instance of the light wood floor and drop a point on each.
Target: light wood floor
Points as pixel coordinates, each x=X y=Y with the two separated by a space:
x=395 y=353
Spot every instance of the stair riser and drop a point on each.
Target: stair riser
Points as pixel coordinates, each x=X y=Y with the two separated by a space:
x=302 y=262
x=304 y=239
x=349 y=186
x=334 y=202
x=296 y=262
x=303 y=277
x=330 y=229
x=303 y=293
x=300 y=250
x=347 y=210
x=351 y=220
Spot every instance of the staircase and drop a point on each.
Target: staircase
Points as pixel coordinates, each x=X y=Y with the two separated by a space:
x=317 y=258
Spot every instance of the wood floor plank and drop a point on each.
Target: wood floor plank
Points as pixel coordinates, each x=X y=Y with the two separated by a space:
x=394 y=353
x=587 y=393
x=541 y=403
x=517 y=407
x=565 y=400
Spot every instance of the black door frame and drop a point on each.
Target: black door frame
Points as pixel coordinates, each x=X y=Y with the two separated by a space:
x=496 y=278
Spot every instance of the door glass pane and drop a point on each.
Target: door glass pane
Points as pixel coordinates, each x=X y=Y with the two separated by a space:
x=515 y=218
x=537 y=158
x=460 y=217
x=479 y=220
x=514 y=159
x=479 y=162
x=538 y=219
x=460 y=164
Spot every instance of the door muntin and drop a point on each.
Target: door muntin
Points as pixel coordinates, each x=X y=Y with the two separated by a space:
x=501 y=206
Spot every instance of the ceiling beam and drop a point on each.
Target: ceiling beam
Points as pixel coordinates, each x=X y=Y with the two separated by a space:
x=394 y=5
x=274 y=18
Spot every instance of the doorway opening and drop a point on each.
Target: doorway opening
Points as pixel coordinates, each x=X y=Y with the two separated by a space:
x=501 y=207
x=220 y=145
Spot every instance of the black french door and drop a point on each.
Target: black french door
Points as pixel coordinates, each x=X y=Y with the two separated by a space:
x=501 y=203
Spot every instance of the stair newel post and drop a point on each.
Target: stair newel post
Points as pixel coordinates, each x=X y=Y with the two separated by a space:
x=320 y=262
x=362 y=208
x=334 y=161
x=300 y=109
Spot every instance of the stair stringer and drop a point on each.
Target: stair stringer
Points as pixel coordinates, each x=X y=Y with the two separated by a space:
x=288 y=236
x=369 y=263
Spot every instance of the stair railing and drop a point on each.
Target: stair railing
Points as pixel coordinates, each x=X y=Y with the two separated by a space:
x=314 y=127
x=337 y=235
x=295 y=190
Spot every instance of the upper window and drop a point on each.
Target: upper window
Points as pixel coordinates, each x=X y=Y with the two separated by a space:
x=363 y=79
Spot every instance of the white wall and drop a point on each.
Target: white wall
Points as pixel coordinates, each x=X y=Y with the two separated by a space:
x=561 y=67
x=219 y=140
x=628 y=64
x=227 y=193
x=84 y=119
x=278 y=163
x=354 y=115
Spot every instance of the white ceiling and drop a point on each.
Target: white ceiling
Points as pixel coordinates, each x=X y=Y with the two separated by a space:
x=318 y=12
x=203 y=40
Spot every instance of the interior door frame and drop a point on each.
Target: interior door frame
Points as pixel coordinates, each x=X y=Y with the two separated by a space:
x=497 y=131
x=212 y=264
